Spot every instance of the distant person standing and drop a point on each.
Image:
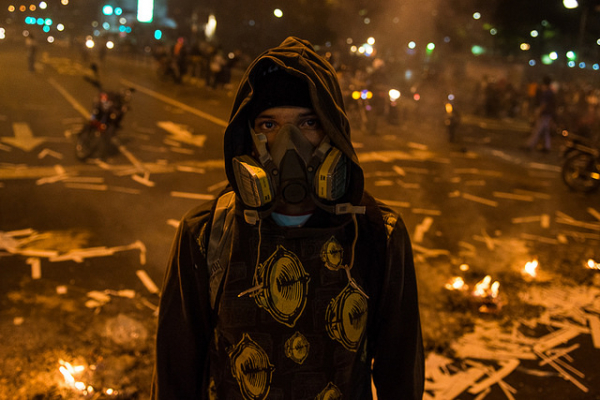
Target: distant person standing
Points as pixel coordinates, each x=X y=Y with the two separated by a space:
x=31 y=45
x=545 y=114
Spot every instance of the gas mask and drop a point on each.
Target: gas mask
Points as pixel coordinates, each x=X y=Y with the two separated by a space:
x=291 y=171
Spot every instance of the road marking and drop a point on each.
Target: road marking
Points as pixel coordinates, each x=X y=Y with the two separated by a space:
x=24 y=138
x=76 y=105
x=176 y=103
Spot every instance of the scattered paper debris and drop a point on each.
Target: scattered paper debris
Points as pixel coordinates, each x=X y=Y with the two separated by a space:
x=147 y=281
x=195 y=196
x=421 y=229
x=36 y=267
x=481 y=200
x=48 y=152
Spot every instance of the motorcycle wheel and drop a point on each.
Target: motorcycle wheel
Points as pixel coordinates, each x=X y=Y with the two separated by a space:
x=88 y=142
x=580 y=172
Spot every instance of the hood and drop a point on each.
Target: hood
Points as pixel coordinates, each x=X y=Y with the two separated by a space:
x=297 y=57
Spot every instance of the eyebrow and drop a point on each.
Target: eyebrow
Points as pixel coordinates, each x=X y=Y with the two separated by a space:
x=303 y=115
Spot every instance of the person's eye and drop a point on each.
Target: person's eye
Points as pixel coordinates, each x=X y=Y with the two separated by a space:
x=266 y=126
x=311 y=123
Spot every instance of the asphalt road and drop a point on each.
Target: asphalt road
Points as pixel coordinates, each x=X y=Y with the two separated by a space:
x=481 y=201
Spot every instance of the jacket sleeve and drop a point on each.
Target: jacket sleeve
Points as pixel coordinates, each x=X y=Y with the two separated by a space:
x=183 y=333
x=398 y=365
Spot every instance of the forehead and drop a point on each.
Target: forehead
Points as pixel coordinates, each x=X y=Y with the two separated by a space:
x=286 y=112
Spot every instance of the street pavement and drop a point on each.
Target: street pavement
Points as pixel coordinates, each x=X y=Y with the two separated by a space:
x=83 y=246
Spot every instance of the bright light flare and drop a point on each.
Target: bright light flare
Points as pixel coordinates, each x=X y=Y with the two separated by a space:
x=456 y=283
x=530 y=268
x=278 y=13
x=394 y=94
x=591 y=264
x=570 y=4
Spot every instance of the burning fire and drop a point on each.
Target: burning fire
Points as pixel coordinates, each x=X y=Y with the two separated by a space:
x=69 y=371
x=531 y=268
x=456 y=283
x=485 y=288
x=591 y=264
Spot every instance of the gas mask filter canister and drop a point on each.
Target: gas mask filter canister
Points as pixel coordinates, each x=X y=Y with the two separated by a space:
x=290 y=171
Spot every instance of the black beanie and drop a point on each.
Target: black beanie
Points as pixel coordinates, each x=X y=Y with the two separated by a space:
x=277 y=89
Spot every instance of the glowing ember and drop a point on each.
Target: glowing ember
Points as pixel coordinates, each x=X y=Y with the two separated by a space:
x=531 y=268
x=456 y=283
x=464 y=267
x=591 y=264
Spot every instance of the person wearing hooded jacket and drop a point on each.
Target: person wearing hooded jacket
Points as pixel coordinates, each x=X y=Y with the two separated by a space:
x=294 y=283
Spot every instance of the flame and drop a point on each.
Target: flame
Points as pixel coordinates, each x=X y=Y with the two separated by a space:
x=482 y=287
x=464 y=267
x=591 y=264
x=456 y=283
x=69 y=371
x=494 y=289
x=531 y=268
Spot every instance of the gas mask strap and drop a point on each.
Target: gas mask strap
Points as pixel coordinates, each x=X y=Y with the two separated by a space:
x=319 y=154
x=340 y=208
x=260 y=143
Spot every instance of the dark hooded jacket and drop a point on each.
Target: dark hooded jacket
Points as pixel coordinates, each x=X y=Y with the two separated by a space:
x=255 y=311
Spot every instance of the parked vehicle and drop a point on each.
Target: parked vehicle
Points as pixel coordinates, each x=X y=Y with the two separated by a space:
x=581 y=166
x=98 y=136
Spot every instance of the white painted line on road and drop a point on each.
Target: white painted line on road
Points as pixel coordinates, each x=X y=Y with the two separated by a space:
x=76 y=105
x=176 y=103
x=24 y=138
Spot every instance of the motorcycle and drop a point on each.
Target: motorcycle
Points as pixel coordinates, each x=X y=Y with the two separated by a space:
x=581 y=166
x=98 y=136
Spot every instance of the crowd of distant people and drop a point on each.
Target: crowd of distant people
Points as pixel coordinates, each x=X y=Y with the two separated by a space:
x=200 y=59
x=577 y=102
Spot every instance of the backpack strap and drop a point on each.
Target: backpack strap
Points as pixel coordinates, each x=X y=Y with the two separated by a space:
x=219 y=243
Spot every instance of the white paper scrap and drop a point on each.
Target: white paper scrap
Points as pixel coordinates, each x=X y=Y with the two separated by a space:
x=147 y=281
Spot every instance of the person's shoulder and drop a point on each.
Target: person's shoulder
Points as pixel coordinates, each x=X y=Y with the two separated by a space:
x=198 y=215
x=381 y=213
